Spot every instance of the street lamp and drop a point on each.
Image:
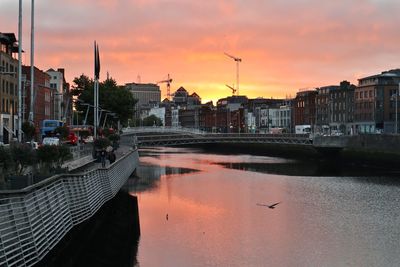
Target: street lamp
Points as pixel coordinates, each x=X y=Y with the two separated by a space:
x=395 y=97
x=54 y=105
x=105 y=118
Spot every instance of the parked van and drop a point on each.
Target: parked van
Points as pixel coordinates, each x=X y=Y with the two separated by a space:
x=303 y=129
x=52 y=141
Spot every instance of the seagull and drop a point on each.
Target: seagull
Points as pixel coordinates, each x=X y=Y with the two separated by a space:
x=269 y=206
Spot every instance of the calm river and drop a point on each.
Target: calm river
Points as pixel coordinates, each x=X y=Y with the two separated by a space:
x=200 y=209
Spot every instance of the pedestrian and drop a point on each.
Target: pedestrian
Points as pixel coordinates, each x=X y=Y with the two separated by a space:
x=103 y=158
x=111 y=157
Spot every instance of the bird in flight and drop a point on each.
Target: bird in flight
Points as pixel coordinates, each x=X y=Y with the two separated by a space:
x=269 y=206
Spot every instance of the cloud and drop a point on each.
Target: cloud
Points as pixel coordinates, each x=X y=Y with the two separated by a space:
x=285 y=45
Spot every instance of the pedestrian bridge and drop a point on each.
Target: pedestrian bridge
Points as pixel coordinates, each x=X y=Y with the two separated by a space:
x=171 y=136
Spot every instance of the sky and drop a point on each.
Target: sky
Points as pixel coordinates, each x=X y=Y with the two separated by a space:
x=285 y=45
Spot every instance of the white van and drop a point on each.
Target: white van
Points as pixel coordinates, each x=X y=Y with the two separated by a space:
x=52 y=141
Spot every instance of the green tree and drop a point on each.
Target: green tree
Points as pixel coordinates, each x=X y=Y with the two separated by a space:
x=101 y=143
x=152 y=120
x=63 y=132
x=112 y=97
x=64 y=154
x=5 y=160
x=29 y=130
x=22 y=155
x=47 y=156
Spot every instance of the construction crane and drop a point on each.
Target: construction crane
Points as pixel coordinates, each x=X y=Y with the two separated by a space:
x=237 y=60
x=232 y=88
x=168 y=81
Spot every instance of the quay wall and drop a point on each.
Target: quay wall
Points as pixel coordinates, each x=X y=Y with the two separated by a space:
x=370 y=142
x=33 y=220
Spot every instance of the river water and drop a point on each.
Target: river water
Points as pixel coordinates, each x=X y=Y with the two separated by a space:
x=200 y=209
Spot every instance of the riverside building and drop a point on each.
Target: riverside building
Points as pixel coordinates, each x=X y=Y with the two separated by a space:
x=375 y=103
x=8 y=87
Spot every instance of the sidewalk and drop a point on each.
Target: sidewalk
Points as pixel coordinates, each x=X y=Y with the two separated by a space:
x=81 y=162
x=78 y=163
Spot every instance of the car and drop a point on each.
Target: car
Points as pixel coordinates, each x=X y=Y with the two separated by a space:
x=89 y=139
x=52 y=141
x=72 y=138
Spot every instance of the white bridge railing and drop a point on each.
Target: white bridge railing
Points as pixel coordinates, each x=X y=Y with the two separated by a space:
x=161 y=129
x=33 y=220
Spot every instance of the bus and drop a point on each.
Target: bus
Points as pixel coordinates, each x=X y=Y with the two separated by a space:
x=49 y=126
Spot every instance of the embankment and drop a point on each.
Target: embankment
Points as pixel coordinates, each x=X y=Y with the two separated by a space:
x=109 y=238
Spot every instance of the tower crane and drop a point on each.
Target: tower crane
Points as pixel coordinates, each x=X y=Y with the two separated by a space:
x=232 y=88
x=168 y=81
x=237 y=60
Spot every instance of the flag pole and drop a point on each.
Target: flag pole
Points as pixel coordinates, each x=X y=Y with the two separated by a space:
x=19 y=72
x=95 y=92
x=32 y=61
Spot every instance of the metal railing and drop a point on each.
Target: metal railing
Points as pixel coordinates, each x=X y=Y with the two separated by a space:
x=33 y=220
x=161 y=129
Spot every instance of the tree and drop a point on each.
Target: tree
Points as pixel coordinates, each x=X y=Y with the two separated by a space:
x=22 y=156
x=5 y=161
x=47 y=156
x=112 y=97
x=29 y=130
x=64 y=154
x=62 y=131
x=152 y=120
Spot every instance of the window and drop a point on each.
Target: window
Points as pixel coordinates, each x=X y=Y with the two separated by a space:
x=365 y=94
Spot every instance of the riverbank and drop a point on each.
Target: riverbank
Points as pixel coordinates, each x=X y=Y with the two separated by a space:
x=109 y=238
x=371 y=156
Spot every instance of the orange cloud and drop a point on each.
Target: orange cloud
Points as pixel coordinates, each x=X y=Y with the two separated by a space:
x=285 y=45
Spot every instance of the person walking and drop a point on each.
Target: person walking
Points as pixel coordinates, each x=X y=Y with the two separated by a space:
x=103 y=158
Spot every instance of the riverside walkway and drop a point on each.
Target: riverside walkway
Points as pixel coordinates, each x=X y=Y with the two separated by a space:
x=34 y=219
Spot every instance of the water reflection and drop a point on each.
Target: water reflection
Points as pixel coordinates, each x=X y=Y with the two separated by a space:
x=213 y=219
x=319 y=168
x=148 y=176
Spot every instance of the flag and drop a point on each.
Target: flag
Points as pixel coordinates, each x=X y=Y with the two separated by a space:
x=96 y=61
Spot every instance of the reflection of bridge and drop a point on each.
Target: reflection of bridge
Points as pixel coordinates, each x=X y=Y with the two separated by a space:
x=162 y=136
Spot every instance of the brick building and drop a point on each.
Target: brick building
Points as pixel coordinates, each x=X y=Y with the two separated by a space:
x=8 y=87
x=304 y=108
x=374 y=102
x=43 y=107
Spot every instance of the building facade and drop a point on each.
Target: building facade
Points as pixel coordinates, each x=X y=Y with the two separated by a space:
x=42 y=99
x=62 y=103
x=144 y=93
x=304 y=109
x=375 y=103
x=342 y=109
x=8 y=87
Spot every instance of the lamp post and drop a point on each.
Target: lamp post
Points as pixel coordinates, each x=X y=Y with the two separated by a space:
x=87 y=112
x=54 y=105
x=397 y=95
x=395 y=98
x=20 y=71
x=105 y=118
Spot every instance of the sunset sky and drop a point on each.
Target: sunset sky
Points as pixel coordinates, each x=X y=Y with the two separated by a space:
x=285 y=45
